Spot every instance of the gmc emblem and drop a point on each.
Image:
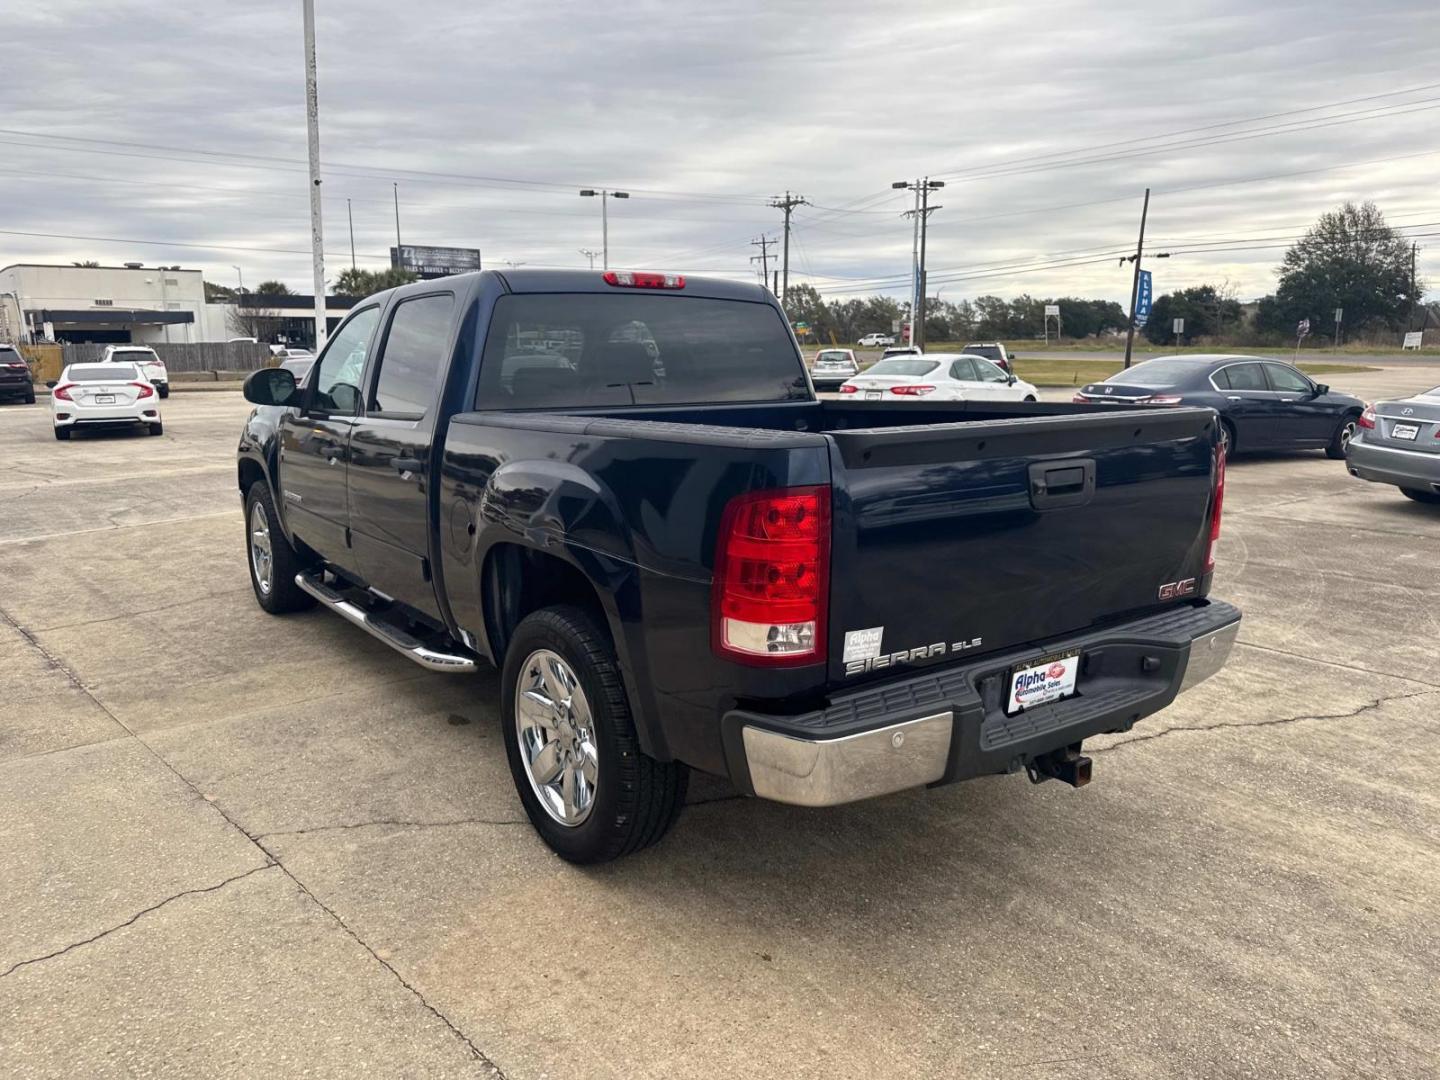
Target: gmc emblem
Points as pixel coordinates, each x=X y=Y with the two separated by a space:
x=1177 y=588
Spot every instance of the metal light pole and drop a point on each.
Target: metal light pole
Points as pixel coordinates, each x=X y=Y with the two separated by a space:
x=602 y=195
x=239 y=276
x=312 y=131
x=350 y=216
x=589 y=255
x=395 y=189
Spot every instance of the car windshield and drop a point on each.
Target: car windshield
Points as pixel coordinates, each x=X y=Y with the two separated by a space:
x=111 y=372
x=1156 y=373
x=8 y=355
x=832 y=358
x=904 y=366
x=134 y=356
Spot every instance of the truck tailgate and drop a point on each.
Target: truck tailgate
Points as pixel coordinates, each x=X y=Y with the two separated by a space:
x=998 y=533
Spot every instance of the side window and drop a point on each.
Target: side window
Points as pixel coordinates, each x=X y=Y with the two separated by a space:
x=337 y=380
x=963 y=370
x=1247 y=377
x=990 y=372
x=1221 y=379
x=1287 y=380
x=413 y=356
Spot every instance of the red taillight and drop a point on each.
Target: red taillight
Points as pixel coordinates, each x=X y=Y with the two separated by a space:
x=145 y=389
x=63 y=392
x=1078 y=398
x=846 y=388
x=1367 y=418
x=640 y=279
x=1216 y=507
x=912 y=390
x=16 y=367
x=772 y=571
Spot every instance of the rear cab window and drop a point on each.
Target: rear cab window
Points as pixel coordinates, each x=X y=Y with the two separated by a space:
x=412 y=358
x=572 y=350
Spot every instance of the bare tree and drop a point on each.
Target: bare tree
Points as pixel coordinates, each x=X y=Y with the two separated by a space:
x=257 y=323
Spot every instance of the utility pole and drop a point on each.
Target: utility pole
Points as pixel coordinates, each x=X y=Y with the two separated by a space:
x=764 y=257
x=589 y=255
x=1414 y=300
x=239 y=275
x=787 y=203
x=1135 y=282
x=395 y=187
x=312 y=132
x=351 y=215
x=921 y=214
x=775 y=282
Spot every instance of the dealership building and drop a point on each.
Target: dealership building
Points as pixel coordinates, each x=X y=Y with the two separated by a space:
x=130 y=303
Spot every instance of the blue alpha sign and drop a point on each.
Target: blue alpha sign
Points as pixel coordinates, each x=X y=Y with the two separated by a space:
x=1142 y=299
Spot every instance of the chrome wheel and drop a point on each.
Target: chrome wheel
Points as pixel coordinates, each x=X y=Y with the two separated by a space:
x=1347 y=433
x=556 y=737
x=262 y=557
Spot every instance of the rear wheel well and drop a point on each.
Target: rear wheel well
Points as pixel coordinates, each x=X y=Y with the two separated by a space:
x=520 y=580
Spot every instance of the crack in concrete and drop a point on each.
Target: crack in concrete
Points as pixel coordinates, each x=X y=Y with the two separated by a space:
x=1369 y=706
x=271 y=859
x=1335 y=663
x=393 y=823
x=134 y=919
x=147 y=611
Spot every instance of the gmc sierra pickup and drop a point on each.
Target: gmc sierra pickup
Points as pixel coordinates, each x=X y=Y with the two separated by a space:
x=621 y=491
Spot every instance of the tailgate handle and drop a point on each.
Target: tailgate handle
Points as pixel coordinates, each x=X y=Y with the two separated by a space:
x=1054 y=484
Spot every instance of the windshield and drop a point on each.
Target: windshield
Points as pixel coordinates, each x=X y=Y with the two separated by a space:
x=904 y=365
x=134 y=356
x=102 y=373
x=989 y=352
x=8 y=355
x=557 y=350
x=1156 y=373
x=833 y=358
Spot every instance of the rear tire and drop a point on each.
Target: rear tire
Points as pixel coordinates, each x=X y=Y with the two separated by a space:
x=633 y=799
x=157 y=429
x=30 y=398
x=273 y=562
x=163 y=391
x=1341 y=439
x=1421 y=496
x=63 y=434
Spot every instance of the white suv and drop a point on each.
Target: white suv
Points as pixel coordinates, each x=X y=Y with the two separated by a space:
x=143 y=357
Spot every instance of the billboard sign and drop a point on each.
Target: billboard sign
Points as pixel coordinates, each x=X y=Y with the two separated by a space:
x=434 y=262
x=1052 y=311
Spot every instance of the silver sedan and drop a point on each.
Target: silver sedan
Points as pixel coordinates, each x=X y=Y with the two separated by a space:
x=1398 y=442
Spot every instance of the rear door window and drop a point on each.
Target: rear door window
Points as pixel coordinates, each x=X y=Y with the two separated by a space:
x=1246 y=377
x=549 y=351
x=963 y=370
x=413 y=357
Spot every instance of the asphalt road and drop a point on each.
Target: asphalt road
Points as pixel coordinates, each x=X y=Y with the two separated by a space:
x=238 y=845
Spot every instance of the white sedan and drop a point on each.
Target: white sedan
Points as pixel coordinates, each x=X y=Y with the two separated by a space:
x=150 y=365
x=103 y=395
x=938 y=377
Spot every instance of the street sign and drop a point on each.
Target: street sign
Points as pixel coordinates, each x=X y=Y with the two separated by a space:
x=1414 y=340
x=1052 y=311
x=1179 y=327
x=894 y=326
x=1303 y=329
x=1142 y=299
x=1338 y=313
x=434 y=262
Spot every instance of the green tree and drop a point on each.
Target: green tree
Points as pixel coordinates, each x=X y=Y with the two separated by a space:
x=1349 y=259
x=1205 y=309
x=88 y=264
x=273 y=288
x=215 y=294
x=356 y=282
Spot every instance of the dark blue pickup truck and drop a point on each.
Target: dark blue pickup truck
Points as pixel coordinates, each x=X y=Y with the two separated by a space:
x=621 y=490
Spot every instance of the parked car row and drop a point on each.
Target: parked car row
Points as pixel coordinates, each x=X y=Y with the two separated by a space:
x=938 y=377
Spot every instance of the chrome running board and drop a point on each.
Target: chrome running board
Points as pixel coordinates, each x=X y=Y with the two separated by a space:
x=397 y=639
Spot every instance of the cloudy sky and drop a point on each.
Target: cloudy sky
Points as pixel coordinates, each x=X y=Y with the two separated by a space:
x=175 y=125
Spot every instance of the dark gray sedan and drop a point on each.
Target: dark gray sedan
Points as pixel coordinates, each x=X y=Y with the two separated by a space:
x=1398 y=442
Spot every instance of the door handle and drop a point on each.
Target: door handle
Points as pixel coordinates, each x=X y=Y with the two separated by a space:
x=1236 y=397
x=407 y=464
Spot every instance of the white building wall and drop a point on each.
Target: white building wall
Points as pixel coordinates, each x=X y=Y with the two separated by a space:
x=83 y=288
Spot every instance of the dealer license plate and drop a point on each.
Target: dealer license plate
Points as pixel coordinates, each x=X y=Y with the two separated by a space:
x=872 y=395
x=1404 y=431
x=104 y=399
x=1044 y=680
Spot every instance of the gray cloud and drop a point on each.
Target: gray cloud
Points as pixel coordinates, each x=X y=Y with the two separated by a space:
x=703 y=112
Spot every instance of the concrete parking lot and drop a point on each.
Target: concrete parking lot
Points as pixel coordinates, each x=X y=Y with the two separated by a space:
x=241 y=845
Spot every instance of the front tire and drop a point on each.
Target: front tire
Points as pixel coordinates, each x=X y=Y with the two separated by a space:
x=588 y=790
x=1031 y=397
x=1420 y=496
x=1341 y=439
x=273 y=562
